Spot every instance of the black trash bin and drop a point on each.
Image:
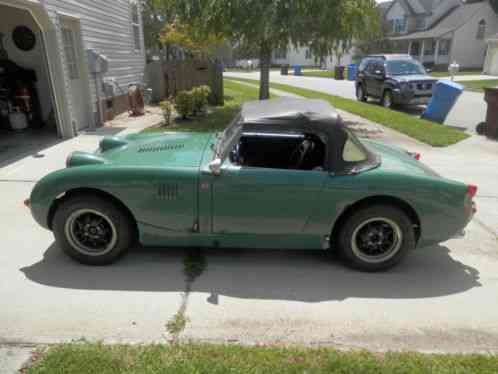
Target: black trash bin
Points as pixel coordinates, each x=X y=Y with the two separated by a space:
x=339 y=72
x=284 y=70
x=491 y=97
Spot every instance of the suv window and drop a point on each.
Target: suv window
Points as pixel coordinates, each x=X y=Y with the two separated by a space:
x=405 y=67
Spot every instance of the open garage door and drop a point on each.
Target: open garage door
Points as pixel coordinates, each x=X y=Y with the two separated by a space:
x=28 y=118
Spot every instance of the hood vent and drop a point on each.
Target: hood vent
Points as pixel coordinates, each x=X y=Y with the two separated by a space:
x=168 y=191
x=159 y=147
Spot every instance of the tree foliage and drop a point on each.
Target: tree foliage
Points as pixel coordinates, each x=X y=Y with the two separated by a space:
x=494 y=5
x=268 y=25
x=190 y=37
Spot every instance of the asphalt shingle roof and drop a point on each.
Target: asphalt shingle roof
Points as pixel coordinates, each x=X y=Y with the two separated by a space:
x=456 y=18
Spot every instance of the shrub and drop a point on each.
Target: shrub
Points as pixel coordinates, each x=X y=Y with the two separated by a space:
x=184 y=103
x=200 y=97
x=167 y=108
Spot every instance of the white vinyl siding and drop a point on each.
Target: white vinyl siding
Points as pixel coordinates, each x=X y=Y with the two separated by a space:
x=135 y=24
x=70 y=53
x=106 y=27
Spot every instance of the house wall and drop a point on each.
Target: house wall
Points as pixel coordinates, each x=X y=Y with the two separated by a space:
x=467 y=50
x=296 y=56
x=106 y=26
x=34 y=59
x=396 y=12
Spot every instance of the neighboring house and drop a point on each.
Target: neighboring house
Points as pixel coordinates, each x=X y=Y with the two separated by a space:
x=438 y=32
x=70 y=95
x=304 y=57
x=491 y=61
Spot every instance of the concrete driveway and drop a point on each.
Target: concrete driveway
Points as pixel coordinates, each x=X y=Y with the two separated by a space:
x=441 y=298
x=467 y=113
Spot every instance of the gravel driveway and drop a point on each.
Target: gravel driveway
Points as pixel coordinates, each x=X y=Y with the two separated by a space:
x=442 y=298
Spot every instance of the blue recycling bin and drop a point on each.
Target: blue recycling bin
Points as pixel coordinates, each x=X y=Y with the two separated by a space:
x=444 y=97
x=297 y=70
x=352 y=69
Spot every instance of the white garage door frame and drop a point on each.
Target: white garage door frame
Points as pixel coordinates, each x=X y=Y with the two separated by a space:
x=53 y=65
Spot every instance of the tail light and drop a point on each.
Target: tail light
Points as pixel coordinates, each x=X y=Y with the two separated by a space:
x=471 y=190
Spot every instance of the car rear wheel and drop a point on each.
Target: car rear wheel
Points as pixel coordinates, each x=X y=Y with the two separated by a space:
x=360 y=93
x=376 y=238
x=92 y=230
x=387 y=99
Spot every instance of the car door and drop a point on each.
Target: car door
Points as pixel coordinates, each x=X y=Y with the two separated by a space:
x=264 y=201
x=376 y=78
x=369 y=78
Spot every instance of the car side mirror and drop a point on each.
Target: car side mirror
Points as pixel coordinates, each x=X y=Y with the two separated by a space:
x=215 y=166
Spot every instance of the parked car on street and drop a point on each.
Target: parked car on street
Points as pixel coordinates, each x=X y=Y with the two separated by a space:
x=394 y=79
x=285 y=173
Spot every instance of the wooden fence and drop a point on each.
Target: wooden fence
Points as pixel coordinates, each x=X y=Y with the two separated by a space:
x=186 y=74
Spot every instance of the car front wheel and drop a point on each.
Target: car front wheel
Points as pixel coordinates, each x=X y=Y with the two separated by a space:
x=376 y=238
x=360 y=93
x=92 y=230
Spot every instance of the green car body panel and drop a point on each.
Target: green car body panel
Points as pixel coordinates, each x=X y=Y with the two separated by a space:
x=165 y=183
x=176 y=201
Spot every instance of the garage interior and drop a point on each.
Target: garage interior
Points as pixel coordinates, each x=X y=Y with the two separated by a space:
x=27 y=119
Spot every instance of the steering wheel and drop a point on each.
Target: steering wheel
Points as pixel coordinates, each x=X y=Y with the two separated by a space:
x=235 y=155
x=299 y=154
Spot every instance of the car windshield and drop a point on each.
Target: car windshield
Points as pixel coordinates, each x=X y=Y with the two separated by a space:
x=226 y=138
x=404 y=67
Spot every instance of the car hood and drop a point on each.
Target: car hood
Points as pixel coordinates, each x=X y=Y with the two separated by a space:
x=413 y=78
x=173 y=150
x=397 y=160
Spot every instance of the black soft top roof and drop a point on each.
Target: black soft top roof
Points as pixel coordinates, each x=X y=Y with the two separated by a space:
x=303 y=115
x=290 y=114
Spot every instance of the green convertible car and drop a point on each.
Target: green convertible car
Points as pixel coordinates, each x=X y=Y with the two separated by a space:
x=285 y=173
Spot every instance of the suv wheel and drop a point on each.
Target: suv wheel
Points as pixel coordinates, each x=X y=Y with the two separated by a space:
x=360 y=93
x=387 y=99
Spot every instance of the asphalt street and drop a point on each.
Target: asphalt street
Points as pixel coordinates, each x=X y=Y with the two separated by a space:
x=468 y=112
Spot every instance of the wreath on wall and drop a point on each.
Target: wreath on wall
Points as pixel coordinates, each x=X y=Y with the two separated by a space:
x=24 y=38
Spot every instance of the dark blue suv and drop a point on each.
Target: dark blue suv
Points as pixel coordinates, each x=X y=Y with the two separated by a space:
x=394 y=79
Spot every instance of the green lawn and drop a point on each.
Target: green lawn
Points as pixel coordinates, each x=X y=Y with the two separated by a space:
x=425 y=131
x=462 y=72
x=479 y=85
x=216 y=359
x=220 y=116
x=319 y=73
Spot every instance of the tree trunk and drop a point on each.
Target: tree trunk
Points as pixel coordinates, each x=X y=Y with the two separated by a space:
x=264 y=67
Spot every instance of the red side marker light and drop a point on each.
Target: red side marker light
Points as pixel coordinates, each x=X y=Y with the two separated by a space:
x=472 y=190
x=417 y=156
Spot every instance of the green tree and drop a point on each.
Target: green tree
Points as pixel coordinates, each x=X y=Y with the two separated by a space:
x=494 y=5
x=267 y=25
x=190 y=38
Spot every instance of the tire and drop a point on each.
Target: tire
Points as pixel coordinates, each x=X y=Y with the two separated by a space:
x=481 y=128
x=92 y=230
x=387 y=99
x=360 y=93
x=365 y=237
